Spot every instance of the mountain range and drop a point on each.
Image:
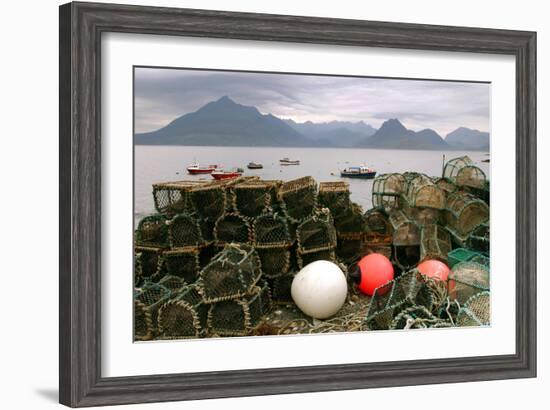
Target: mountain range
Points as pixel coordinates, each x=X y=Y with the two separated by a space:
x=226 y=123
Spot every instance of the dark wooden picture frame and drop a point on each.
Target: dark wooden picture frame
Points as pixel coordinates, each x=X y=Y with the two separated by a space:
x=81 y=28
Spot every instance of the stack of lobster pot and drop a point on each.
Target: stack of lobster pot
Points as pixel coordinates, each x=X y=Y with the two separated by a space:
x=316 y=238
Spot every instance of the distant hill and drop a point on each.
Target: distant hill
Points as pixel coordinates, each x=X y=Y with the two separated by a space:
x=393 y=135
x=224 y=122
x=468 y=139
x=333 y=129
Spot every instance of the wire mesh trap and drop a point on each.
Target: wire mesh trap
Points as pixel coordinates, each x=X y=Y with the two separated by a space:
x=445 y=184
x=183 y=316
x=231 y=274
x=148 y=262
x=377 y=221
x=464 y=173
x=253 y=197
x=280 y=288
x=174 y=197
x=421 y=192
x=467 y=279
x=435 y=243
x=387 y=189
x=238 y=317
x=271 y=230
x=405 y=240
x=417 y=317
x=316 y=233
x=476 y=311
x=147 y=302
x=152 y=231
x=336 y=197
x=298 y=198
x=172 y=283
x=350 y=221
x=185 y=230
x=274 y=261
x=421 y=216
x=305 y=259
x=183 y=263
x=465 y=212
x=377 y=243
x=209 y=200
x=232 y=228
x=480 y=238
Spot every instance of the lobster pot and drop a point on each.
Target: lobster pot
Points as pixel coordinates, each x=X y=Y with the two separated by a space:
x=476 y=311
x=280 y=288
x=336 y=197
x=351 y=221
x=183 y=263
x=316 y=233
x=421 y=192
x=253 y=197
x=172 y=283
x=464 y=213
x=464 y=173
x=405 y=240
x=207 y=226
x=410 y=289
x=271 y=230
x=231 y=274
x=435 y=243
x=386 y=190
x=422 y=216
x=417 y=317
x=299 y=198
x=275 y=261
x=305 y=259
x=482 y=193
x=183 y=316
x=185 y=230
x=377 y=221
x=174 y=197
x=209 y=200
x=480 y=238
x=377 y=243
x=147 y=302
x=148 y=262
x=238 y=317
x=468 y=279
x=445 y=184
x=349 y=248
x=152 y=231
x=482 y=260
x=232 y=228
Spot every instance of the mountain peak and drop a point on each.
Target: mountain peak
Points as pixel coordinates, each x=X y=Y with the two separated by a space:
x=225 y=99
x=394 y=124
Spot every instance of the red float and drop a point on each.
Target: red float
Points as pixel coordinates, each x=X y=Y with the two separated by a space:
x=433 y=268
x=373 y=271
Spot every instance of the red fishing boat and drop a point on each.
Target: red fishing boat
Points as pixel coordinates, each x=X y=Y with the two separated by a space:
x=220 y=174
x=197 y=169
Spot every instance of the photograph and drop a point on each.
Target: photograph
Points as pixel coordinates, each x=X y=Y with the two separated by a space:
x=271 y=204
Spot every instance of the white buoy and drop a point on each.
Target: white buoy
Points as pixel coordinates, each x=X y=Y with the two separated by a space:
x=319 y=289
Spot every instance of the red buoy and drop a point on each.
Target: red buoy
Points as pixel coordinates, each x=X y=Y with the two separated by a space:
x=373 y=271
x=433 y=268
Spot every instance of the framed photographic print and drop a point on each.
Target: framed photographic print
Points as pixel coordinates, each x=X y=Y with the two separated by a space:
x=261 y=204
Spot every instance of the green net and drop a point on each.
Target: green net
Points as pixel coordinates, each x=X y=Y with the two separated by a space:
x=232 y=228
x=464 y=173
x=232 y=273
x=458 y=255
x=298 y=198
x=435 y=243
x=387 y=189
x=174 y=197
x=253 y=197
x=467 y=279
x=183 y=263
x=464 y=212
x=152 y=231
x=185 y=230
x=316 y=233
x=422 y=192
x=147 y=301
x=274 y=261
x=336 y=197
x=476 y=311
x=271 y=230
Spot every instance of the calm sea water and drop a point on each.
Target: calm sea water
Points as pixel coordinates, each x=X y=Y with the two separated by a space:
x=168 y=163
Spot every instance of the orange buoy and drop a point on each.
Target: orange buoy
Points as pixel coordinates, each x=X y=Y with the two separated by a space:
x=433 y=268
x=373 y=271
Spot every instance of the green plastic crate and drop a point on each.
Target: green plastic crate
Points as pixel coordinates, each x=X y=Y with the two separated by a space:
x=460 y=255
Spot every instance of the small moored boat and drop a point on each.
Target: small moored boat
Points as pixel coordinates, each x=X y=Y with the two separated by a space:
x=287 y=161
x=359 y=172
x=254 y=165
x=197 y=169
x=220 y=174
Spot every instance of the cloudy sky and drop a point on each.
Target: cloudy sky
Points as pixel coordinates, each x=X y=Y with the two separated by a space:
x=161 y=95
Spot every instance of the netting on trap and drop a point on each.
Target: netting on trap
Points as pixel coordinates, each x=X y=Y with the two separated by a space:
x=421 y=192
x=185 y=230
x=152 y=231
x=463 y=172
x=209 y=200
x=435 y=243
x=271 y=230
x=172 y=283
x=467 y=279
x=417 y=317
x=232 y=228
x=336 y=197
x=183 y=316
x=349 y=250
x=183 y=263
x=405 y=240
x=305 y=259
x=480 y=238
x=316 y=233
x=458 y=255
x=298 y=198
x=147 y=301
x=386 y=190
x=377 y=243
x=280 y=288
x=421 y=216
x=445 y=184
x=410 y=289
x=274 y=261
x=231 y=274
x=253 y=197
x=464 y=213
x=238 y=317
x=148 y=262
x=350 y=221
x=173 y=197
x=377 y=221
x=476 y=311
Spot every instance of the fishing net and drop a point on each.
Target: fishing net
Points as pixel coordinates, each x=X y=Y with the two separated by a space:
x=417 y=317
x=336 y=197
x=422 y=192
x=476 y=311
x=271 y=230
x=305 y=259
x=253 y=197
x=152 y=231
x=410 y=289
x=238 y=317
x=209 y=200
x=435 y=243
x=316 y=233
x=280 y=288
x=174 y=197
x=386 y=190
x=467 y=279
x=480 y=238
x=377 y=221
x=183 y=263
x=299 y=198
x=464 y=213
x=274 y=261
x=147 y=302
x=183 y=316
x=149 y=262
x=185 y=230
x=231 y=274
x=463 y=172
x=232 y=228
x=350 y=221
